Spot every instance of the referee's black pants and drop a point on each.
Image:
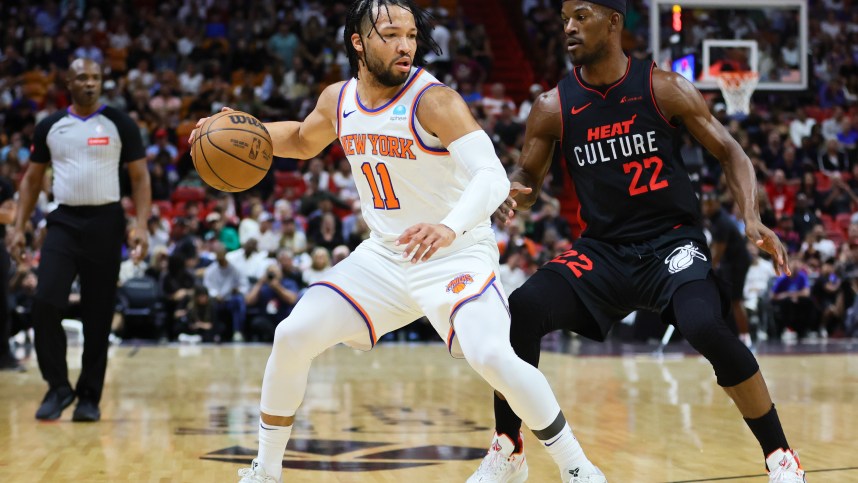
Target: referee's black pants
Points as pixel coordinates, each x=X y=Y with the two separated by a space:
x=83 y=241
x=5 y=316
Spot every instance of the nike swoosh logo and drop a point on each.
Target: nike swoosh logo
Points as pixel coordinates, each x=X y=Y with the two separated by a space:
x=347 y=114
x=576 y=110
x=556 y=440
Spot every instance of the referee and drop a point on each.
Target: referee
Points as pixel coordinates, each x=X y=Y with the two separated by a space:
x=86 y=144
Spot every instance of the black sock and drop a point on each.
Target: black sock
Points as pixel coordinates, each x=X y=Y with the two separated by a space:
x=507 y=422
x=769 y=432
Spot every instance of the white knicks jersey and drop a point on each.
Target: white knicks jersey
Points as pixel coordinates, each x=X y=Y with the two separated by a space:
x=403 y=174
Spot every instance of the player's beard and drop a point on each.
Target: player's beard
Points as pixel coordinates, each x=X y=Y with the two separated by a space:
x=589 y=56
x=384 y=74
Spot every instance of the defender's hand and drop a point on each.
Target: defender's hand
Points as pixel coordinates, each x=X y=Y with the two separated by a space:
x=424 y=239
x=506 y=212
x=769 y=242
x=200 y=124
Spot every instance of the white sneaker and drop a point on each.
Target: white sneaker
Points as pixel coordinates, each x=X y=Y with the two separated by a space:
x=255 y=474
x=501 y=465
x=784 y=467
x=594 y=476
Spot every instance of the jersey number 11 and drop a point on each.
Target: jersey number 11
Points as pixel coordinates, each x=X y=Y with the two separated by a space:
x=390 y=201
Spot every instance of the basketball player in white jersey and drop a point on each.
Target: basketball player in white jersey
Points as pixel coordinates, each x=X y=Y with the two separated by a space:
x=428 y=179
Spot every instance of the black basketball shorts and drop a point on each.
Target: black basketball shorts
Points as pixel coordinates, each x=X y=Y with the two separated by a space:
x=613 y=280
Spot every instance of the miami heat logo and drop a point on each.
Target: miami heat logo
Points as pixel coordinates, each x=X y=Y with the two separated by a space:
x=459 y=283
x=682 y=257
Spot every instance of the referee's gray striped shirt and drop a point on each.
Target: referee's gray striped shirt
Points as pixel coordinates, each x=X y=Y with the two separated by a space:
x=86 y=152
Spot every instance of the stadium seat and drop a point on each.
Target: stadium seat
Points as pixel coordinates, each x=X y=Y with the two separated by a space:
x=843 y=220
x=165 y=208
x=189 y=193
x=823 y=182
x=291 y=184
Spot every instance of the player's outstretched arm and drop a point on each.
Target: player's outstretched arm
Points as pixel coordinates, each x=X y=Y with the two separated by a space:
x=677 y=98
x=543 y=130
x=302 y=139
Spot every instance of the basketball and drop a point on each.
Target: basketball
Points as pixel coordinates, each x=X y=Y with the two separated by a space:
x=232 y=151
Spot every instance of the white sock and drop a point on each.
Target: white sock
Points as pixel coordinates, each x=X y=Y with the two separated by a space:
x=567 y=453
x=272 y=445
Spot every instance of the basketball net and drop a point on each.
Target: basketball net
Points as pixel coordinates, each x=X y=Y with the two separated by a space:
x=737 y=88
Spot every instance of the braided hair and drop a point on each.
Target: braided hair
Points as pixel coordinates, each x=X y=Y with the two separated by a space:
x=361 y=13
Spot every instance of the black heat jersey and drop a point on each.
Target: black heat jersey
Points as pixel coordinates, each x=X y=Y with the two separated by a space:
x=623 y=156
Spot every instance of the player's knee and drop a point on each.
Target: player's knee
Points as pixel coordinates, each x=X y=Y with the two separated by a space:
x=700 y=322
x=489 y=362
x=292 y=339
x=526 y=316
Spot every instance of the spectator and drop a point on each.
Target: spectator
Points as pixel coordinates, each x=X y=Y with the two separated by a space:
x=525 y=106
x=190 y=80
x=839 y=198
x=284 y=44
x=550 y=219
x=112 y=97
x=15 y=151
x=345 y=182
x=316 y=176
x=326 y=234
x=269 y=239
x=162 y=143
x=249 y=261
x=831 y=127
x=286 y=262
x=833 y=160
x=225 y=285
x=133 y=267
x=800 y=127
x=817 y=244
x=497 y=99
x=791 y=296
x=781 y=194
x=269 y=301
x=293 y=239
x=804 y=218
x=339 y=253
x=827 y=295
x=321 y=263
x=197 y=322
x=760 y=274
x=249 y=226
x=177 y=285
x=359 y=233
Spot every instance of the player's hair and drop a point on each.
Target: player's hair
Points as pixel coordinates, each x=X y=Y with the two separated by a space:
x=360 y=15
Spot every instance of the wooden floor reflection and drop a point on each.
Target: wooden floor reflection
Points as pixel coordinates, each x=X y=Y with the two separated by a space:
x=411 y=413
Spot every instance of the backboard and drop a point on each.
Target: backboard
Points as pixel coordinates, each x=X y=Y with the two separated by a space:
x=765 y=36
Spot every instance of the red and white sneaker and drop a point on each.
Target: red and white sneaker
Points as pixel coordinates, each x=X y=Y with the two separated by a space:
x=784 y=467
x=501 y=464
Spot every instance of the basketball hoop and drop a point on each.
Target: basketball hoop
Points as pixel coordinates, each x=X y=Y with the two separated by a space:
x=737 y=88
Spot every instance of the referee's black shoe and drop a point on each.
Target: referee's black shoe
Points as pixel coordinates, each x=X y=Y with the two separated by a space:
x=55 y=401
x=86 y=411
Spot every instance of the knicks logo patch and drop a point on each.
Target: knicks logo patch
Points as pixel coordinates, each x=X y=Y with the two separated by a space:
x=459 y=283
x=682 y=257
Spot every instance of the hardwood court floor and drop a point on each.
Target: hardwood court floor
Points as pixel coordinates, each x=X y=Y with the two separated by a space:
x=410 y=413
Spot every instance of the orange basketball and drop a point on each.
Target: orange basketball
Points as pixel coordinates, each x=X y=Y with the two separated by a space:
x=232 y=151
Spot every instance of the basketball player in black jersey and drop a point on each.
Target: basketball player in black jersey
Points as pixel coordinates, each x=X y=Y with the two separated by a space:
x=617 y=120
